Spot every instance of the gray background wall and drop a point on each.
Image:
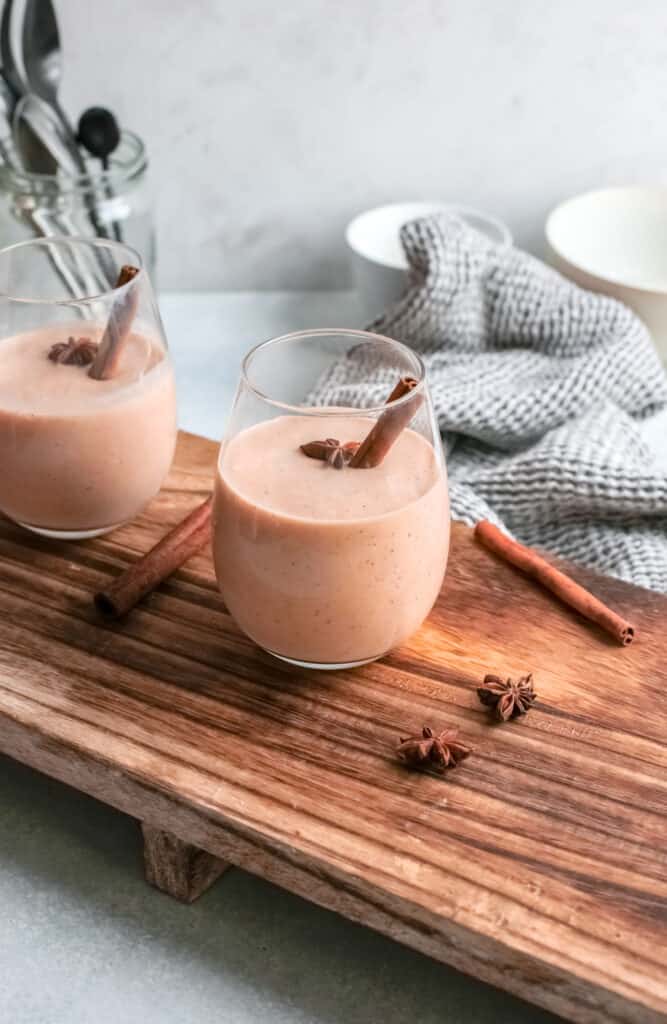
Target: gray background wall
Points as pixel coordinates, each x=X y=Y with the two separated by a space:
x=271 y=123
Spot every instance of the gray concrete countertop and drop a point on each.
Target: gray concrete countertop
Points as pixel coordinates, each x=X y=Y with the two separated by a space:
x=83 y=939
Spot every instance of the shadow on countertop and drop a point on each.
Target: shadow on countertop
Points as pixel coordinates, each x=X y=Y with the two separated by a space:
x=83 y=938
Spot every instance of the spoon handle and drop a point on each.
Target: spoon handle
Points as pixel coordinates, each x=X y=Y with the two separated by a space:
x=109 y=193
x=68 y=134
x=73 y=148
x=43 y=229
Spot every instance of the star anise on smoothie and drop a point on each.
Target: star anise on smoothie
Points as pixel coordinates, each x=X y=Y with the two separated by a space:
x=330 y=450
x=433 y=750
x=509 y=698
x=74 y=351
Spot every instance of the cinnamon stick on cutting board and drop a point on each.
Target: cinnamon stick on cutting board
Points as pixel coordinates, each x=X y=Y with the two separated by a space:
x=557 y=582
x=183 y=541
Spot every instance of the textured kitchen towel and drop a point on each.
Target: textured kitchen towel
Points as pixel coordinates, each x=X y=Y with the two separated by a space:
x=538 y=387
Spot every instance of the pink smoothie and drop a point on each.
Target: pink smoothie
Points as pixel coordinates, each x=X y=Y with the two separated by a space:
x=323 y=565
x=76 y=453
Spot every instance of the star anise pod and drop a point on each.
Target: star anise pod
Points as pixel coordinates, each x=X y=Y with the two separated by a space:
x=508 y=697
x=433 y=750
x=74 y=351
x=331 y=450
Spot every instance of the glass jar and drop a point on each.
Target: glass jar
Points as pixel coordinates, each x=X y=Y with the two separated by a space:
x=113 y=203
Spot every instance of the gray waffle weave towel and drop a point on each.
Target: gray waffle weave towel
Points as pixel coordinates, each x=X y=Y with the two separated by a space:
x=538 y=387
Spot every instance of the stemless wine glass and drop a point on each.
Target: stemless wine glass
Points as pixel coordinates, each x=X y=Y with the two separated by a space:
x=321 y=562
x=79 y=454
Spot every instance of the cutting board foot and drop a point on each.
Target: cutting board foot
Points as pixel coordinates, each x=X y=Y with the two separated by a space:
x=177 y=868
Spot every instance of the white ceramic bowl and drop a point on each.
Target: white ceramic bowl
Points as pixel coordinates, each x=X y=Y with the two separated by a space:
x=379 y=265
x=615 y=241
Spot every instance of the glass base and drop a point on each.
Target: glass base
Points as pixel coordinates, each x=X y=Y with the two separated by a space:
x=322 y=665
x=69 y=534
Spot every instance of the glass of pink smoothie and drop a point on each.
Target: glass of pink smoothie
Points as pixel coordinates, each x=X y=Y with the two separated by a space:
x=85 y=441
x=324 y=563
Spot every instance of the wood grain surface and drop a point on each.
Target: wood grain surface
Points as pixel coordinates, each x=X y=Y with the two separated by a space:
x=538 y=865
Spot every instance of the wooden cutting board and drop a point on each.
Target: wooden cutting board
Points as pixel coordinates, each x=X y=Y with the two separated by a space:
x=538 y=865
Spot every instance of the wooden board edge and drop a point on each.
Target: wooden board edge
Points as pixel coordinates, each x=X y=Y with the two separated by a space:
x=485 y=958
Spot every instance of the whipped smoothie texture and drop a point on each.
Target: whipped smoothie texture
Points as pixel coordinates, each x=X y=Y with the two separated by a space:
x=78 y=453
x=322 y=565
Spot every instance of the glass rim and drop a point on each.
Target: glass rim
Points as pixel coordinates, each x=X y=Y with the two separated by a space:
x=320 y=332
x=95 y=243
x=92 y=178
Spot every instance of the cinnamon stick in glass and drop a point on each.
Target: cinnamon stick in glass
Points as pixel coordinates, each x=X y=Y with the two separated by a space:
x=557 y=582
x=183 y=541
x=121 y=316
x=388 y=427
